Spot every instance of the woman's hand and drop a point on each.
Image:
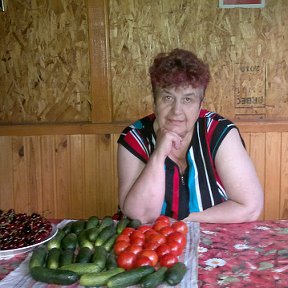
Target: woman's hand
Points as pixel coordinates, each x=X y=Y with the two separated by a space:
x=167 y=141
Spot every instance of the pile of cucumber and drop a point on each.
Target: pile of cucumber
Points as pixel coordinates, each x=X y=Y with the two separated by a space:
x=83 y=251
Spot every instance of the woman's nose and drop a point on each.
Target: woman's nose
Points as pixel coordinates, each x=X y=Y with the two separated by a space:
x=177 y=107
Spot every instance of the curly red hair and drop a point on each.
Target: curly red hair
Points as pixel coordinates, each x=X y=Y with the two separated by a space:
x=177 y=68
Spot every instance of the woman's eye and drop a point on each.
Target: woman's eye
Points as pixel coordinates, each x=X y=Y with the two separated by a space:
x=167 y=98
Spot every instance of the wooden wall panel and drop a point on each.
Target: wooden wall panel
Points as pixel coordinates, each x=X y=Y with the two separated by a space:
x=48 y=176
x=91 y=170
x=63 y=187
x=115 y=170
x=257 y=154
x=75 y=176
x=6 y=175
x=34 y=176
x=272 y=175
x=20 y=187
x=284 y=177
x=246 y=139
x=99 y=61
x=100 y=196
x=105 y=199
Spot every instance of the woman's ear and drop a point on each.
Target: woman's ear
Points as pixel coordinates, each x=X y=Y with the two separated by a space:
x=154 y=102
x=153 y=106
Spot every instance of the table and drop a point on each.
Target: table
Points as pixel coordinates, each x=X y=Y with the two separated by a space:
x=243 y=255
x=231 y=255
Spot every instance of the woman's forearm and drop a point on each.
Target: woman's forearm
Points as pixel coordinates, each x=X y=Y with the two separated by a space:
x=227 y=212
x=145 y=198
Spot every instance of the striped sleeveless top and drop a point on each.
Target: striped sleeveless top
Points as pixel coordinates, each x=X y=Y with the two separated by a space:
x=200 y=187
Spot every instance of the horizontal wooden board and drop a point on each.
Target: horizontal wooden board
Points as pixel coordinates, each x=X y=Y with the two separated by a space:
x=117 y=127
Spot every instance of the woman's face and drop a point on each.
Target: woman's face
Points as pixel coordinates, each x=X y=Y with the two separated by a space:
x=177 y=109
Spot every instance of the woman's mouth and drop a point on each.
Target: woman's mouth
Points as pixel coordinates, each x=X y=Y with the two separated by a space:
x=175 y=122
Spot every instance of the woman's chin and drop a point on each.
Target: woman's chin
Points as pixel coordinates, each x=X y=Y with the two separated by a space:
x=178 y=131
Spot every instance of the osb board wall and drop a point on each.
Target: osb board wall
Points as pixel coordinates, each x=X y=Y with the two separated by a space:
x=44 y=67
x=247 y=50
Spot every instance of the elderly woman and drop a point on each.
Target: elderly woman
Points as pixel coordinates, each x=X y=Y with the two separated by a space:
x=183 y=161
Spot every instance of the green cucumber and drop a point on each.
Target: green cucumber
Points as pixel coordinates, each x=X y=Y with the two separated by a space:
x=105 y=234
x=134 y=223
x=83 y=240
x=121 y=225
x=99 y=257
x=155 y=279
x=55 y=242
x=175 y=274
x=78 y=226
x=66 y=257
x=108 y=244
x=84 y=255
x=67 y=228
x=92 y=233
x=92 y=221
x=111 y=261
x=53 y=276
x=99 y=279
x=129 y=278
x=82 y=268
x=38 y=257
x=70 y=241
x=52 y=261
x=106 y=221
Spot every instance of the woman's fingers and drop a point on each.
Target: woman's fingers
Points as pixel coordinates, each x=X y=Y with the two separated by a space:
x=168 y=140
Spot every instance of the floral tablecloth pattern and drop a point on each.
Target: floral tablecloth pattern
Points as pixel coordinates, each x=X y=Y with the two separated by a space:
x=14 y=272
x=231 y=255
x=7 y=266
x=243 y=255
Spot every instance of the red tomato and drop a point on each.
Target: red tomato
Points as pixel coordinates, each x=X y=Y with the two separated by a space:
x=178 y=237
x=123 y=237
x=159 y=225
x=166 y=231
x=175 y=248
x=149 y=233
x=168 y=260
x=144 y=228
x=120 y=246
x=162 y=250
x=180 y=226
x=163 y=218
x=135 y=249
x=152 y=255
x=142 y=261
x=137 y=241
x=137 y=234
x=127 y=231
x=159 y=238
x=126 y=260
x=151 y=245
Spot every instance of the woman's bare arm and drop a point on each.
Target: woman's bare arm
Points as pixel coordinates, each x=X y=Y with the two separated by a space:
x=142 y=186
x=238 y=175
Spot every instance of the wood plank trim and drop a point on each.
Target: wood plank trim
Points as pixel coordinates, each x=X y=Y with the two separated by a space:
x=263 y=126
x=99 y=61
x=61 y=129
x=117 y=127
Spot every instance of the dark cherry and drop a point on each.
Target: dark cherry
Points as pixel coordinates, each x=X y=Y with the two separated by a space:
x=20 y=230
